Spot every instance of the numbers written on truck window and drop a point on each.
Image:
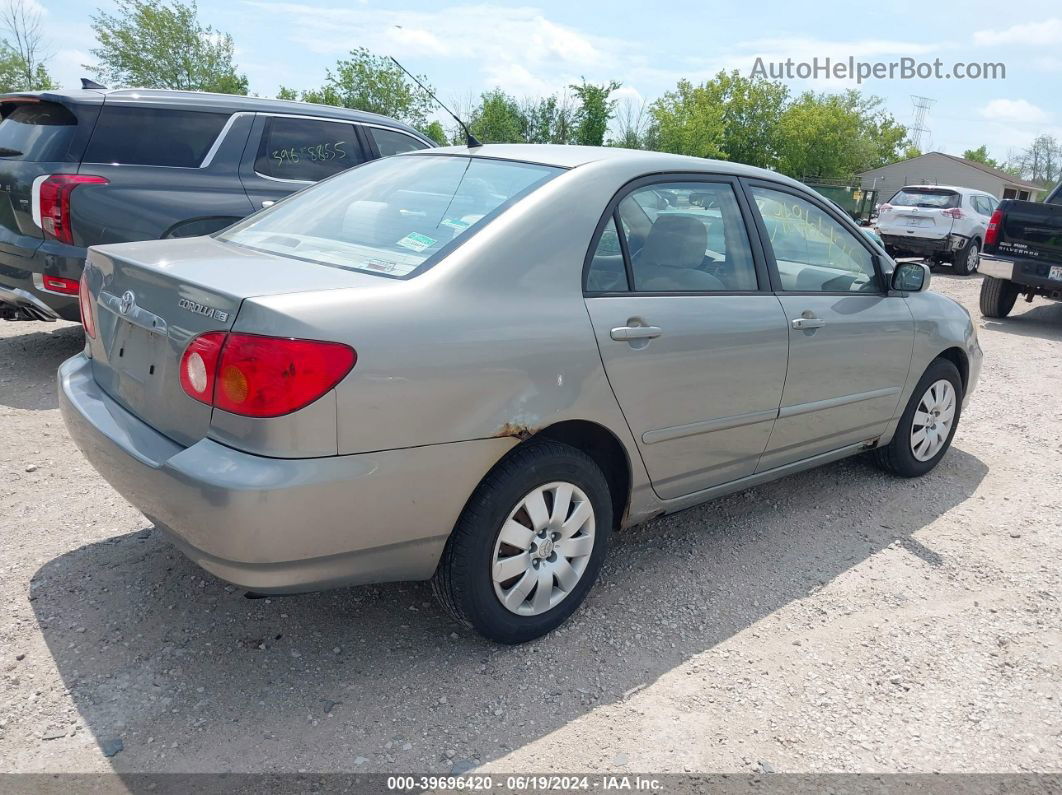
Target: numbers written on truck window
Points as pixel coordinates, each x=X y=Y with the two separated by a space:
x=332 y=150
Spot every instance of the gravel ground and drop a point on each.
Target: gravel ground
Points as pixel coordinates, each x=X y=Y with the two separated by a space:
x=837 y=620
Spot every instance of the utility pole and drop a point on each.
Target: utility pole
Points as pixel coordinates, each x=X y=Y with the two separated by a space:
x=918 y=129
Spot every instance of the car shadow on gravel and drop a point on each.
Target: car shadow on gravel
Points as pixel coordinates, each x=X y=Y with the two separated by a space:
x=172 y=670
x=1043 y=320
x=28 y=363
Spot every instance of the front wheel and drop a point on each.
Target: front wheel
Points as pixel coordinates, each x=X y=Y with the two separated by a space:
x=529 y=544
x=928 y=424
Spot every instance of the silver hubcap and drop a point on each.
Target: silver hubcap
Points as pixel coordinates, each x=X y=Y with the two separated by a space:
x=973 y=258
x=543 y=548
x=932 y=420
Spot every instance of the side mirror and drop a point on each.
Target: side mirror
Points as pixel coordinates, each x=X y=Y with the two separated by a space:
x=910 y=277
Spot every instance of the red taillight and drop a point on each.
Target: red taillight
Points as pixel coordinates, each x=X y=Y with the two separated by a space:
x=992 y=233
x=57 y=284
x=953 y=212
x=260 y=376
x=53 y=201
x=84 y=300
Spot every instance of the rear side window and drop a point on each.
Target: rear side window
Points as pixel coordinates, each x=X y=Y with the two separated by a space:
x=925 y=197
x=153 y=136
x=307 y=150
x=390 y=142
x=37 y=132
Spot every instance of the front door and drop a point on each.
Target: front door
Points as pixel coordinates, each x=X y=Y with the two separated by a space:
x=286 y=153
x=694 y=351
x=850 y=343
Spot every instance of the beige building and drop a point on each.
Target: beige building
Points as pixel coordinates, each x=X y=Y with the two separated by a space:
x=937 y=168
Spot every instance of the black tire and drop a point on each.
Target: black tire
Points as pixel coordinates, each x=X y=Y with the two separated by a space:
x=961 y=258
x=897 y=457
x=998 y=296
x=463 y=582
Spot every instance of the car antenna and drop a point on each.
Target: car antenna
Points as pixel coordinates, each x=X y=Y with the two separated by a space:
x=470 y=140
x=87 y=84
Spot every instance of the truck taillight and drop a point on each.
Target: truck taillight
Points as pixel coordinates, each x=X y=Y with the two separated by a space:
x=953 y=212
x=84 y=300
x=992 y=233
x=259 y=376
x=51 y=202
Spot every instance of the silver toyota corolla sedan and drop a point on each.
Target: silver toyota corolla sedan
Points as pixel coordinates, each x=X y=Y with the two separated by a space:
x=471 y=365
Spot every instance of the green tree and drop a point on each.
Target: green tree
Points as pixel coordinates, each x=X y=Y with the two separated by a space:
x=549 y=120
x=752 y=108
x=22 y=50
x=287 y=93
x=498 y=119
x=837 y=135
x=162 y=44
x=687 y=122
x=980 y=155
x=435 y=131
x=372 y=83
x=911 y=151
x=594 y=111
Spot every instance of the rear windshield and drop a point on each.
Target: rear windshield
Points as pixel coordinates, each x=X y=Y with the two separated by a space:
x=391 y=217
x=925 y=197
x=39 y=132
x=153 y=136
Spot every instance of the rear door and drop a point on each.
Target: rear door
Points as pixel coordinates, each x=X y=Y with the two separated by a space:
x=694 y=349
x=286 y=153
x=37 y=137
x=171 y=171
x=850 y=342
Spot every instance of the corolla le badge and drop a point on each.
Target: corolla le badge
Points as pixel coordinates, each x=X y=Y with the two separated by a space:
x=203 y=309
x=127 y=302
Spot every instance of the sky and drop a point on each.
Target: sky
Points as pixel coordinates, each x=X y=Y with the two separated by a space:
x=538 y=48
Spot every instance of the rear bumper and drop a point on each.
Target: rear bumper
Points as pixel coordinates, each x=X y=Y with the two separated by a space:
x=1025 y=273
x=20 y=292
x=924 y=245
x=280 y=525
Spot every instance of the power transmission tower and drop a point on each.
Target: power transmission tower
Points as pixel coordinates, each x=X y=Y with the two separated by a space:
x=918 y=129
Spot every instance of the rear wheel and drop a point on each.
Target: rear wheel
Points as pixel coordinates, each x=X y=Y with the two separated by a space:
x=968 y=258
x=529 y=544
x=998 y=296
x=928 y=424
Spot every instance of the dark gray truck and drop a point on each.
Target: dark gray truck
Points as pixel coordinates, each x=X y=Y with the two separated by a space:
x=92 y=166
x=1023 y=254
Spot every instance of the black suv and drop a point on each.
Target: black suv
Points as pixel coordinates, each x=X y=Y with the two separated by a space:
x=80 y=168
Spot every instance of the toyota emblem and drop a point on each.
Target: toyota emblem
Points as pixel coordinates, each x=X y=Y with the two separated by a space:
x=127 y=302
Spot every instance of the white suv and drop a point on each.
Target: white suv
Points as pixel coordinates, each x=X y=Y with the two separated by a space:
x=942 y=222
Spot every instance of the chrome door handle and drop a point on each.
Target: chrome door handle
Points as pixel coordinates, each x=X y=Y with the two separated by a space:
x=625 y=333
x=805 y=323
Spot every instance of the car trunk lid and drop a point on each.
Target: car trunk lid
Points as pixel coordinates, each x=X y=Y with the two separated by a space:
x=919 y=213
x=152 y=298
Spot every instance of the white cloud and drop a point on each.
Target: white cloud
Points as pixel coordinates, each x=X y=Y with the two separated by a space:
x=1013 y=111
x=1047 y=32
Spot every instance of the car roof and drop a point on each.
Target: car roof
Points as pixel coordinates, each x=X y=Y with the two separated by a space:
x=565 y=156
x=204 y=100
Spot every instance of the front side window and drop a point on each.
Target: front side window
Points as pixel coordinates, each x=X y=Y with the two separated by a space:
x=391 y=142
x=684 y=237
x=153 y=136
x=813 y=251
x=306 y=150
x=391 y=216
